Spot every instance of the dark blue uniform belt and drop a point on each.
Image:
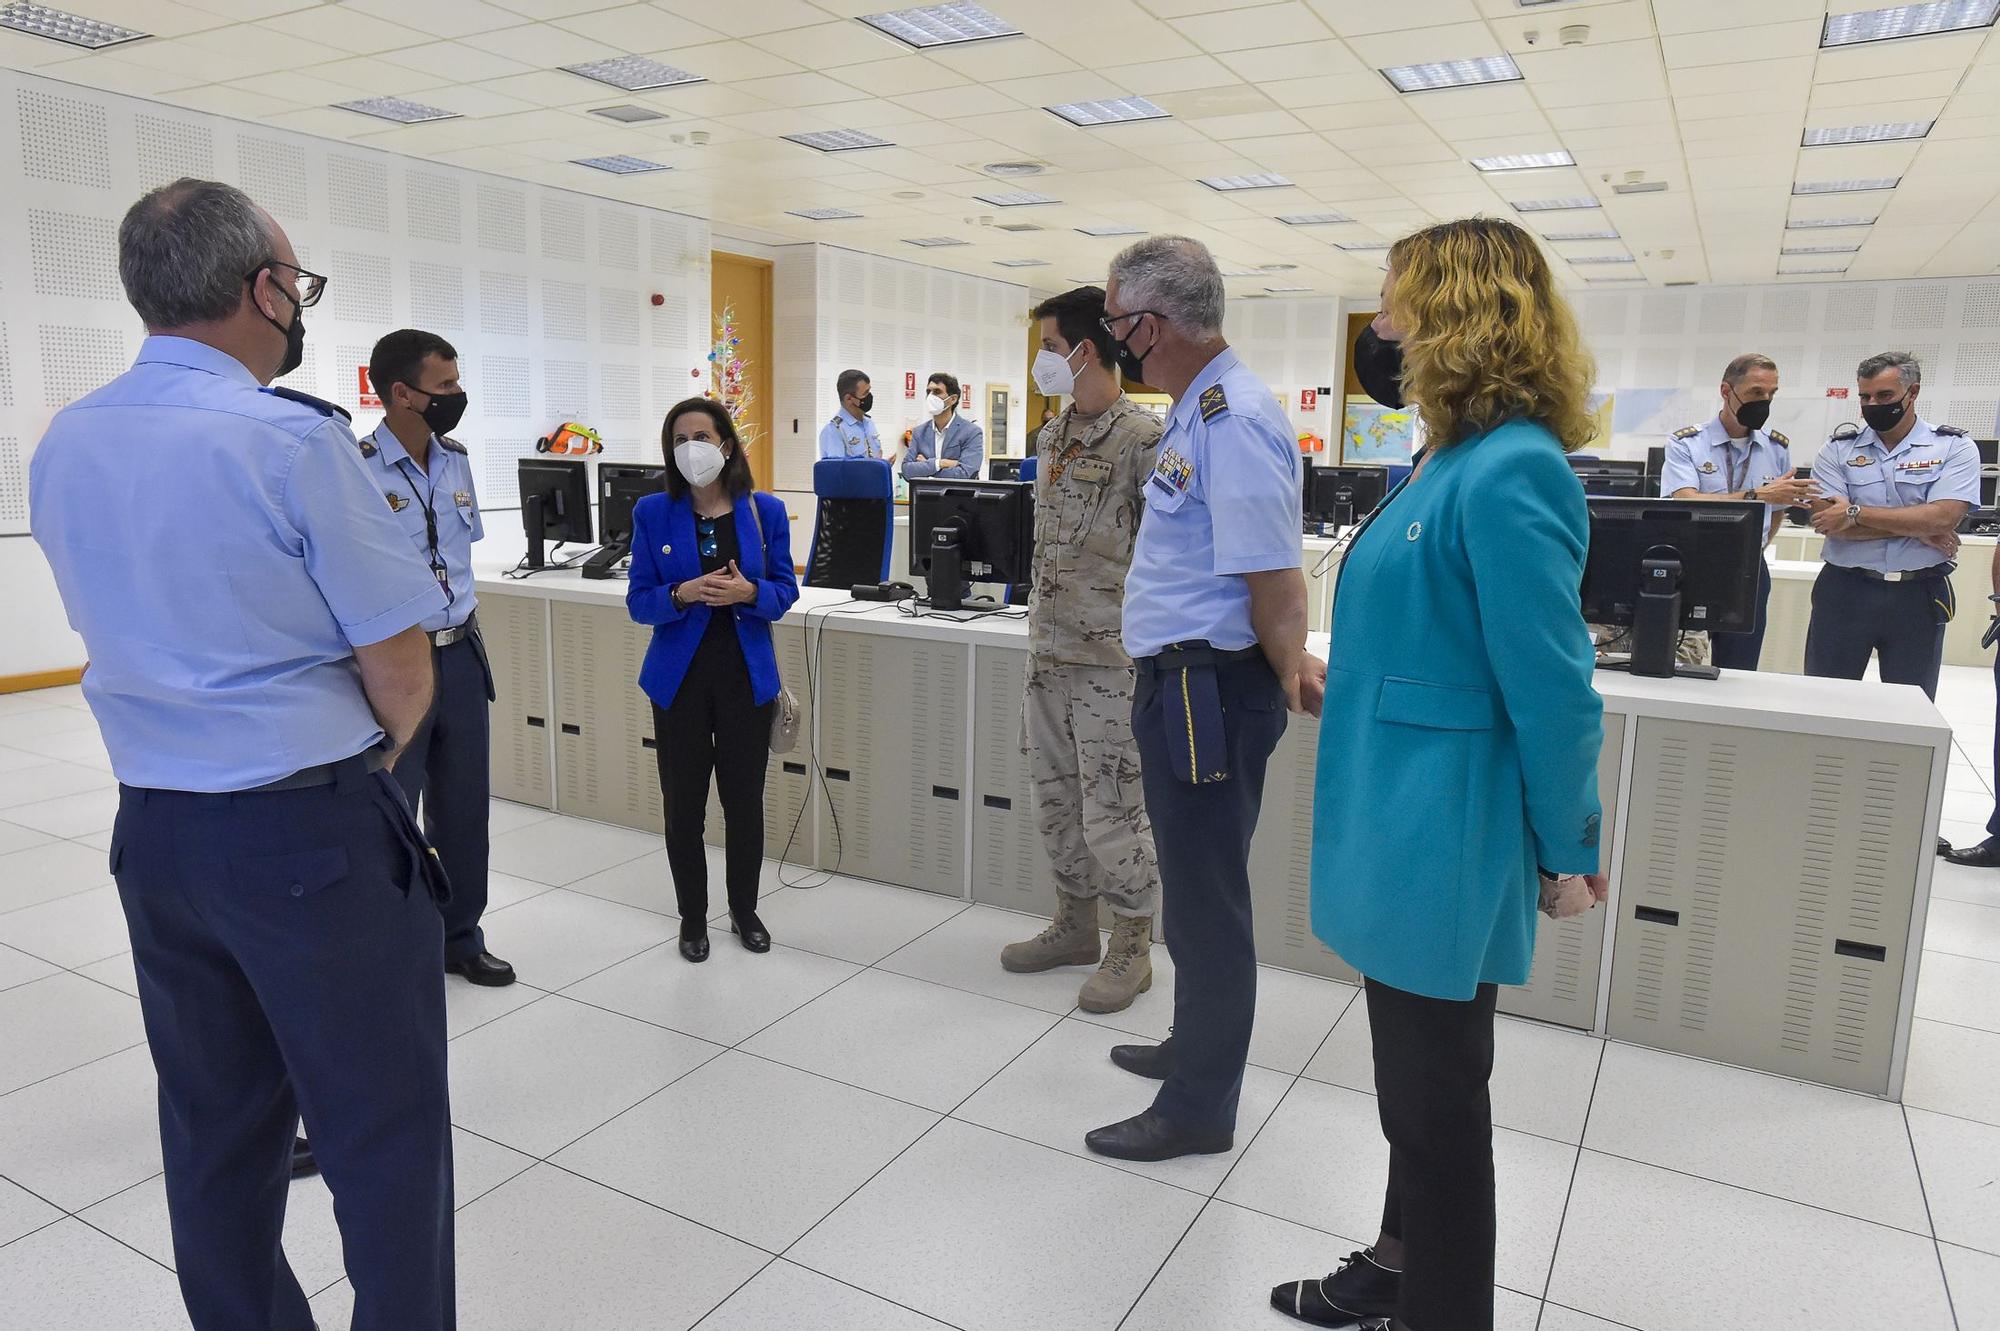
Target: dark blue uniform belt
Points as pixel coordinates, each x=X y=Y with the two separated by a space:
x=1197 y=739
x=456 y=633
x=306 y=778
x=1911 y=575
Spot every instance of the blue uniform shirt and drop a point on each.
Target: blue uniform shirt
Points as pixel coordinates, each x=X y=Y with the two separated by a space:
x=443 y=495
x=1927 y=466
x=846 y=436
x=222 y=550
x=960 y=451
x=1705 y=458
x=1223 y=501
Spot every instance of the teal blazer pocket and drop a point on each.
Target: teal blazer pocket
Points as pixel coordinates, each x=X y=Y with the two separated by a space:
x=1417 y=702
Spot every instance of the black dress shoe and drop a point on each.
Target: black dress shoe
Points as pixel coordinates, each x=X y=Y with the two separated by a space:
x=1146 y=1060
x=1358 y=1293
x=756 y=938
x=303 y=1164
x=484 y=969
x=1149 y=1136
x=695 y=946
x=1985 y=855
x=1943 y=848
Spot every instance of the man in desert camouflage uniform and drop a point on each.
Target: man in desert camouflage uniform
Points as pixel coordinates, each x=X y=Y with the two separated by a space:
x=1077 y=717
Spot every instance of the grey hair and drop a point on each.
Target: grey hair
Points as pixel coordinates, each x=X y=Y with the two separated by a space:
x=1174 y=276
x=1735 y=371
x=185 y=249
x=1902 y=362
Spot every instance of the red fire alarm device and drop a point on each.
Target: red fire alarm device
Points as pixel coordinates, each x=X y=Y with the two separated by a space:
x=370 y=400
x=1308 y=399
x=910 y=384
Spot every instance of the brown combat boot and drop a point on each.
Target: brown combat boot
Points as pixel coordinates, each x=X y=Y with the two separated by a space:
x=1070 y=940
x=1127 y=971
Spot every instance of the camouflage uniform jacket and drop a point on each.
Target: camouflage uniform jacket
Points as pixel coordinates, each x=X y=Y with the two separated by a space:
x=1088 y=500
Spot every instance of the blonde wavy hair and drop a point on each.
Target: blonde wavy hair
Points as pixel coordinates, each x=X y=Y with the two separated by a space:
x=1486 y=335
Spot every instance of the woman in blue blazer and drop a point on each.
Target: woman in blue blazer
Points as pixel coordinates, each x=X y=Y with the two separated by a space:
x=1457 y=782
x=711 y=571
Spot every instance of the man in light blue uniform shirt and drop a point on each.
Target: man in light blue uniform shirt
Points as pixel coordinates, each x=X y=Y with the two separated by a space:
x=426 y=481
x=1894 y=494
x=251 y=611
x=947 y=446
x=1215 y=620
x=1733 y=457
x=850 y=434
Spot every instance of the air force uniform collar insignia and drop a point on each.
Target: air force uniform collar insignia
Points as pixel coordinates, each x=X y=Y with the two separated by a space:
x=1212 y=402
x=368 y=449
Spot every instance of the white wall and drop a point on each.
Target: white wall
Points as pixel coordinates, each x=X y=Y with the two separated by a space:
x=546 y=294
x=1294 y=344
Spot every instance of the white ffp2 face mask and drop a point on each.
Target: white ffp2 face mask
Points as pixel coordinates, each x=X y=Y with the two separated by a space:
x=699 y=461
x=1053 y=375
x=934 y=404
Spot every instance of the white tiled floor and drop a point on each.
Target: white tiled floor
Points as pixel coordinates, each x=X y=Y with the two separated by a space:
x=875 y=1129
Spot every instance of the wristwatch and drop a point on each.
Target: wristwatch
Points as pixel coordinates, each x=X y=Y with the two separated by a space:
x=1854 y=512
x=1751 y=494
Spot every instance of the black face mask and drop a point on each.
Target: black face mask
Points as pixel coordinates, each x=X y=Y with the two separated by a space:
x=1378 y=364
x=867 y=404
x=295 y=336
x=445 y=411
x=1752 y=415
x=1885 y=416
x=1131 y=362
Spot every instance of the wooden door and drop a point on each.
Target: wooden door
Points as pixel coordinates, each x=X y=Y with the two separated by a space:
x=741 y=287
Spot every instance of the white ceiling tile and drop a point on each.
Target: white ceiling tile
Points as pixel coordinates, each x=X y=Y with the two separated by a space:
x=1625 y=20
x=1741 y=45
x=1946 y=53
x=233 y=102
x=1015 y=57
x=319 y=121
x=1235 y=99
x=727 y=62
x=1351 y=18
x=806 y=89
x=439 y=18
x=957 y=103
x=1723 y=83
x=1253 y=125
x=901 y=75
x=102 y=70
x=330 y=29
x=543 y=46
x=827 y=45
x=1329 y=60
x=1164 y=76
x=1244 y=28
x=20 y=51
x=163 y=18
x=1636 y=112
x=747 y=20
x=548 y=9
x=1298 y=94
x=1393 y=44
x=1360 y=118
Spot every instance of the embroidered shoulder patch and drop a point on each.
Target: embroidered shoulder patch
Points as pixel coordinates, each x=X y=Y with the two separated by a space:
x=1706 y=469
x=396 y=502
x=1212 y=402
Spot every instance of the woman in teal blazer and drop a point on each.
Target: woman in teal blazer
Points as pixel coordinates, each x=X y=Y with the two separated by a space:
x=1458 y=747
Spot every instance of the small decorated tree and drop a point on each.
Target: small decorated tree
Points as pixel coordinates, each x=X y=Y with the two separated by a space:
x=729 y=373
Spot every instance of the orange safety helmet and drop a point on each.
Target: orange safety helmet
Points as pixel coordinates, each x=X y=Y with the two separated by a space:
x=572 y=439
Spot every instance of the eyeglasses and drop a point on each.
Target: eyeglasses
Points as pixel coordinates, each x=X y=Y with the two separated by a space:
x=1110 y=321
x=311 y=285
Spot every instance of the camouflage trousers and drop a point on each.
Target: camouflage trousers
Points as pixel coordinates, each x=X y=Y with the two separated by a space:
x=1084 y=763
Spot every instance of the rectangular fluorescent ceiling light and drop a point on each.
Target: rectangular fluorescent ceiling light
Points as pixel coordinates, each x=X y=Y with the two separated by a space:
x=1881 y=25
x=396 y=109
x=1813 y=223
x=1603 y=258
x=1558 y=237
x=936 y=242
x=1845 y=186
x=838 y=140
x=1640 y=187
x=1115 y=111
x=1019 y=198
x=634 y=73
x=820 y=214
x=620 y=165
x=1286 y=291
x=72 y=29
x=1018 y=227
x=941 y=25
x=1362 y=246
x=1805 y=272
x=1022 y=263
x=1453 y=73
x=1112 y=229
x=1523 y=161
x=1902 y=129
x=628 y=114
x=1611 y=281
x=1820 y=249
x=1314 y=219
x=1237 y=270
x=1260 y=180
x=1553 y=205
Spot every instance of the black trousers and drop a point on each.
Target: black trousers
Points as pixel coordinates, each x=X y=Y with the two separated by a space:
x=1993 y=823
x=1742 y=651
x=1854 y=616
x=287 y=948
x=1433 y=1059
x=714 y=726
x=1202 y=836
x=449 y=768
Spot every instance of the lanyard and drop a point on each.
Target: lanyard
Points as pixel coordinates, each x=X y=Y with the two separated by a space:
x=1735 y=475
x=438 y=568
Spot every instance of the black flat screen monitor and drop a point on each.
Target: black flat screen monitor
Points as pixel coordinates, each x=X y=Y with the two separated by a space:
x=1342 y=496
x=619 y=489
x=555 y=504
x=1989 y=451
x=1617 y=485
x=1656 y=466
x=1596 y=464
x=970 y=531
x=1660 y=566
x=1004 y=469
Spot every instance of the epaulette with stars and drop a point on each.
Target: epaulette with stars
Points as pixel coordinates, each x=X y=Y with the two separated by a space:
x=1778 y=438
x=1687 y=432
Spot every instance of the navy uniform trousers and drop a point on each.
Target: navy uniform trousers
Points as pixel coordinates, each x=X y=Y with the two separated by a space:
x=1742 y=651
x=1854 y=615
x=448 y=766
x=1202 y=833
x=288 y=955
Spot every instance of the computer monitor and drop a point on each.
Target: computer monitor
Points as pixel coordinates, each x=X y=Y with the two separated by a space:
x=1342 y=496
x=620 y=486
x=1656 y=466
x=1596 y=464
x=1004 y=469
x=1617 y=485
x=555 y=504
x=1660 y=566
x=966 y=531
x=1989 y=451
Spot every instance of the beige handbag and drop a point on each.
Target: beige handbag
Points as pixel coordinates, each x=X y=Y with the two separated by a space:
x=786 y=715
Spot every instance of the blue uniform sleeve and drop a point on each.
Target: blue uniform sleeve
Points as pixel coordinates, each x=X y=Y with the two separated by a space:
x=1527 y=557
x=778 y=589
x=1253 y=498
x=478 y=520
x=648 y=595
x=1829 y=471
x=1678 y=472
x=874 y=437
x=373 y=581
x=829 y=442
x=965 y=455
x=1781 y=455
x=1960 y=478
